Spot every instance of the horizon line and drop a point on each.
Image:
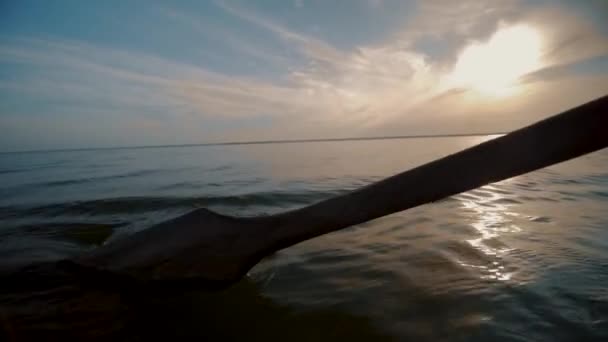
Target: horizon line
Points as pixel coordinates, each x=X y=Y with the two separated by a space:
x=260 y=142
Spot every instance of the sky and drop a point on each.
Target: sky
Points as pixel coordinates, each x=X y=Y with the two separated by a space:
x=77 y=74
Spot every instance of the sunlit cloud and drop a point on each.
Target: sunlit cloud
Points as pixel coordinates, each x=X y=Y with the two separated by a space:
x=495 y=66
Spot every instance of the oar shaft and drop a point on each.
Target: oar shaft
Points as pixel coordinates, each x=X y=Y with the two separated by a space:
x=573 y=133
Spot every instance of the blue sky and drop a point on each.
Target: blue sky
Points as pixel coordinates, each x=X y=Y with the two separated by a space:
x=115 y=73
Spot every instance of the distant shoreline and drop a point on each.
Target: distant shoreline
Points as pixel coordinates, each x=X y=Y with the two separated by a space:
x=261 y=142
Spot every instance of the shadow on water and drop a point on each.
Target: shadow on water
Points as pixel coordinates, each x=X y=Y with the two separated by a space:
x=69 y=311
x=50 y=302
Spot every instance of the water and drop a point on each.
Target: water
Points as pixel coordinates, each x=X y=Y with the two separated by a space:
x=525 y=259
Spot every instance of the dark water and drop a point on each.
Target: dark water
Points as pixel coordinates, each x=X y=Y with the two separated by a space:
x=522 y=260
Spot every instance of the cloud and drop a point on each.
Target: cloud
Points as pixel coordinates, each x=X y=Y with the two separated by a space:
x=309 y=46
x=462 y=20
x=360 y=86
x=68 y=80
x=138 y=81
x=375 y=3
x=222 y=34
x=569 y=38
x=375 y=84
x=390 y=87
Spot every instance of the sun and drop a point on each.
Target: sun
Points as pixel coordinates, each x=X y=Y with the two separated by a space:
x=494 y=67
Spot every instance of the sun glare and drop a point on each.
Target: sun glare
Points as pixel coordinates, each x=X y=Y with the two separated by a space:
x=494 y=67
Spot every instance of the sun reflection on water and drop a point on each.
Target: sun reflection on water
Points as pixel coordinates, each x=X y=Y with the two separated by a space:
x=490 y=212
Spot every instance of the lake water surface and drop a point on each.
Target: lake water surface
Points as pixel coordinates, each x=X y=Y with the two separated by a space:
x=525 y=259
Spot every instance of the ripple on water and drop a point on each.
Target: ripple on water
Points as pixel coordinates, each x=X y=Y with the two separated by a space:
x=523 y=259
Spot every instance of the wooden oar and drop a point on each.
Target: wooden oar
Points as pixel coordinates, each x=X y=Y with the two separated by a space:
x=219 y=250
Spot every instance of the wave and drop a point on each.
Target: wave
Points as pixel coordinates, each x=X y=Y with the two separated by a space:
x=133 y=174
x=126 y=205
